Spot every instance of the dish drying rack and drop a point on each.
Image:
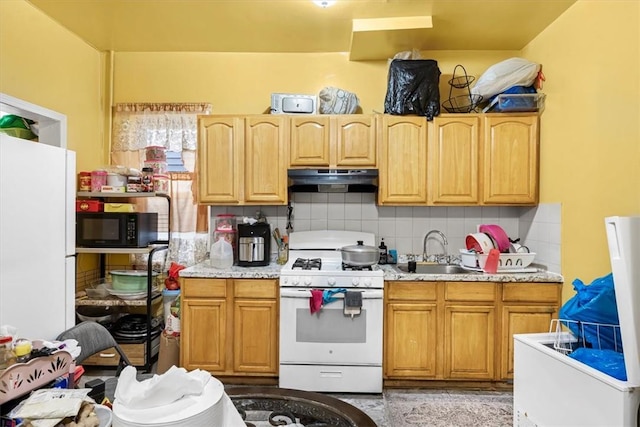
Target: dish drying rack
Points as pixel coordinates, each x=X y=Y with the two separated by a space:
x=569 y=335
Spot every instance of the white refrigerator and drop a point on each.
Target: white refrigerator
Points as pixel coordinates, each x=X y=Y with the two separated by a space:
x=552 y=389
x=37 y=227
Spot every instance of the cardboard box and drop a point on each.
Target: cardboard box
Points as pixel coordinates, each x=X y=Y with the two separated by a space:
x=89 y=205
x=169 y=353
x=119 y=207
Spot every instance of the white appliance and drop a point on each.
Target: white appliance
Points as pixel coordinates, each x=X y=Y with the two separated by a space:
x=37 y=226
x=552 y=389
x=329 y=351
x=292 y=103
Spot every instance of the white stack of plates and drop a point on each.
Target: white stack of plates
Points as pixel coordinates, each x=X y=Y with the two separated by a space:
x=211 y=408
x=125 y=294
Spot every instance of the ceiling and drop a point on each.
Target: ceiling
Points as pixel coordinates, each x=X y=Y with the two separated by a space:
x=384 y=27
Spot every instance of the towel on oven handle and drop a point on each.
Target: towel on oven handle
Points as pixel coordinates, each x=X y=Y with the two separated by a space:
x=328 y=295
x=315 y=302
x=352 y=303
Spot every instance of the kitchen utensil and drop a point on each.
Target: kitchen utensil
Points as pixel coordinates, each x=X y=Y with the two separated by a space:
x=129 y=280
x=492 y=260
x=277 y=235
x=92 y=313
x=479 y=242
x=516 y=248
x=498 y=235
x=360 y=254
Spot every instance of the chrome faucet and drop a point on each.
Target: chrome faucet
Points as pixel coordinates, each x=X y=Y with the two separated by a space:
x=437 y=258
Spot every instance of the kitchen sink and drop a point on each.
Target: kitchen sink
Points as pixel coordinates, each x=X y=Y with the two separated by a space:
x=434 y=269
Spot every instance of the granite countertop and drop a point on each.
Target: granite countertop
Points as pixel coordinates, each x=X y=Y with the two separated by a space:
x=272 y=271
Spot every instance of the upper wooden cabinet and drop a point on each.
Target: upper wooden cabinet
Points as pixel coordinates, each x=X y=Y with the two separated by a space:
x=454 y=151
x=402 y=144
x=510 y=159
x=333 y=141
x=242 y=160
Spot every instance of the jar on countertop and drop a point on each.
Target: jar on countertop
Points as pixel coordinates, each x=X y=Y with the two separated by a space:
x=134 y=184
x=147 y=180
x=84 y=181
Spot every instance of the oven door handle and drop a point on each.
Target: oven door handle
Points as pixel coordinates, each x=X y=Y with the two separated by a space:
x=306 y=293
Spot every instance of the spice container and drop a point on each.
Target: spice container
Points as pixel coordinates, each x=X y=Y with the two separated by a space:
x=147 y=180
x=84 y=181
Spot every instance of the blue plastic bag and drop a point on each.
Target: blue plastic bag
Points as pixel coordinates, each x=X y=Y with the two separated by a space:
x=594 y=303
x=608 y=361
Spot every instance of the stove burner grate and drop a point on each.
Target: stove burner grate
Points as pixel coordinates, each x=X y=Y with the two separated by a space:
x=349 y=267
x=307 y=264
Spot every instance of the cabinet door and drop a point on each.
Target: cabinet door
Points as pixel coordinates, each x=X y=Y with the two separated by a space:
x=203 y=335
x=510 y=168
x=310 y=136
x=454 y=149
x=354 y=140
x=469 y=334
x=403 y=160
x=523 y=319
x=255 y=336
x=410 y=345
x=220 y=154
x=265 y=160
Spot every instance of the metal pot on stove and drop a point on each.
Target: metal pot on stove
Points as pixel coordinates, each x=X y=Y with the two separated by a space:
x=360 y=254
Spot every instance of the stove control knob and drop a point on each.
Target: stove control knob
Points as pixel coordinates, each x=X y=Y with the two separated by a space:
x=307 y=281
x=331 y=281
x=355 y=281
x=295 y=280
x=367 y=282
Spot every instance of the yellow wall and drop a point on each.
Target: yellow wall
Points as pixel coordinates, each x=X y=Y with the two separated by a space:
x=590 y=130
x=237 y=83
x=43 y=63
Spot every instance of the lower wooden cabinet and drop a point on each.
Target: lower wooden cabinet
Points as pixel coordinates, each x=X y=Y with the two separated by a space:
x=411 y=342
x=461 y=331
x=230 y=327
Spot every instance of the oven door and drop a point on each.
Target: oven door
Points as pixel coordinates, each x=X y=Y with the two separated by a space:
x=329 y=336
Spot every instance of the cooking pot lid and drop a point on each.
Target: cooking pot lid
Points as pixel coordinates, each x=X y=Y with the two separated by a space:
x=360 y=248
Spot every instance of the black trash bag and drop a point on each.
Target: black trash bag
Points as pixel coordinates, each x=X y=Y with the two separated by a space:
x=413 y=88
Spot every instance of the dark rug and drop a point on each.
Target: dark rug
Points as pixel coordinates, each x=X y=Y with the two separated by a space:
x=448 y=409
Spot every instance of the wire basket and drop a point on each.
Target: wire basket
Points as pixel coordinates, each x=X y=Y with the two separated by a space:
x=460 y=82
x=462 y=103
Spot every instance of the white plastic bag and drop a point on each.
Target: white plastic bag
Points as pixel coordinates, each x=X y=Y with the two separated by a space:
x=221 y=254
x=505 y=74
x=334 y=100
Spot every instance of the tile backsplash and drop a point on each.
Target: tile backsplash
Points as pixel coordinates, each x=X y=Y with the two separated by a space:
x=404 y=228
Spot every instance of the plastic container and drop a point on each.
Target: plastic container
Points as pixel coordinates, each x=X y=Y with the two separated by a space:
x=129 y=280
x=520 y=102
x=225 y=222
x=157 y=166
x=161 y=183
x=116 y=180
x=509 y=261
x=156 y=153
x=98 y=179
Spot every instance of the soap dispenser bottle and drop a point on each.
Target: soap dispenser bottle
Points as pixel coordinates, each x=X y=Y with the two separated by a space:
x=383 y=252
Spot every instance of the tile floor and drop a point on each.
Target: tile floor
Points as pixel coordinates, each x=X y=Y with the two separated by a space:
x=416 y=407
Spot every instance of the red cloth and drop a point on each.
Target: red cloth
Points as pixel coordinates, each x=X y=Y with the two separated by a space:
x=315 y=302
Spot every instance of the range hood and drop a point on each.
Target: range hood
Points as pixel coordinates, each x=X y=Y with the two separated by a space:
x=333 y=180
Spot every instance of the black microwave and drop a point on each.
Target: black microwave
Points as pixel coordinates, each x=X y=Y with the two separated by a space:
x=116 y=229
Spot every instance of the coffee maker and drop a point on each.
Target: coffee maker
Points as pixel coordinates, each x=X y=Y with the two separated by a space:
x=254 y=244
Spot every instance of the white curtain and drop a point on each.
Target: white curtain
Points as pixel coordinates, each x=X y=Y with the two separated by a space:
x=173 y=126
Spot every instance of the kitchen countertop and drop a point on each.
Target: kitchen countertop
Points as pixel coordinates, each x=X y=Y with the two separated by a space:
x=272 y=271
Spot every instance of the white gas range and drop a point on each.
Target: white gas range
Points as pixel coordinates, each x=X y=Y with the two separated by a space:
x=324 y=346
